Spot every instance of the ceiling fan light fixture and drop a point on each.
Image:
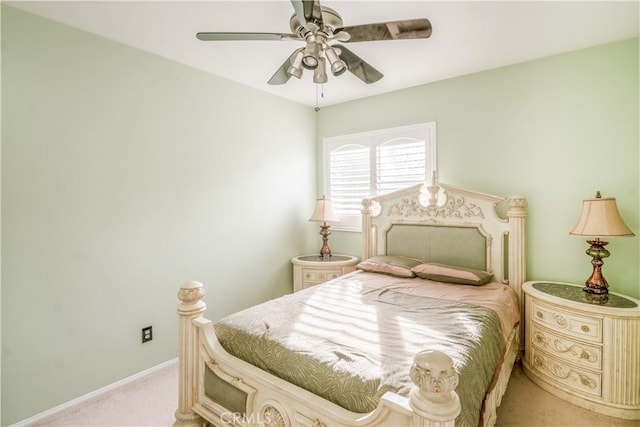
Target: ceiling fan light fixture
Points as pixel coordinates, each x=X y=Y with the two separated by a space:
x=311 y=55
x=320 y=73
x=296 y=66
x=310 y=62
x=338 y=66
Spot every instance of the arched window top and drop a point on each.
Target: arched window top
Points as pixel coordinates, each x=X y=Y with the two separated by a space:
x=373 y=163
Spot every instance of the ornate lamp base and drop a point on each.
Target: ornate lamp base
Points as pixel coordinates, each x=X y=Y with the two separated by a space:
x=596 y=284
x=325 y=252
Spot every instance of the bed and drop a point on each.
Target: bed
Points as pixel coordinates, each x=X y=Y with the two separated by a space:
x=424 y=333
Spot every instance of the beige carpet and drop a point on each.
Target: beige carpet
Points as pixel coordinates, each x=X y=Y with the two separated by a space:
x=151 y=401
x=526 y=404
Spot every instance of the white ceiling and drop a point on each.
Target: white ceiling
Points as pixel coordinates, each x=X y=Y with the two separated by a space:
x=467 y=36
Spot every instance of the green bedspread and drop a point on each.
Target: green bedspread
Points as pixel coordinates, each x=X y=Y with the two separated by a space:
x=351 y=341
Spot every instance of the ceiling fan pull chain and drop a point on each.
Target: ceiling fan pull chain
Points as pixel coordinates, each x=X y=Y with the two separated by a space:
x=321 y=95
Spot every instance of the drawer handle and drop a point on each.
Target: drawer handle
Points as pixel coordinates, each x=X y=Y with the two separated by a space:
x=307 y=276
x=561 y=321
x=585 y=328
x=588 y=356
x=539 y=314
x=587 y=381
x=541 y=338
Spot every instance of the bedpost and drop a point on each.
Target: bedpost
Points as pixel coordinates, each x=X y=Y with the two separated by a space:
x=517 y=214
x=433 y=400
x=517 y=263
x=367 y=238
x=190 y=308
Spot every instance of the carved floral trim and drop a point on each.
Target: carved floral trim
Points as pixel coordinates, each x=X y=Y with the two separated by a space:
x=271 y=417
x=211 y=363
x=455 y=207
x=560 y=347
x=518 y=202
x=191 y=295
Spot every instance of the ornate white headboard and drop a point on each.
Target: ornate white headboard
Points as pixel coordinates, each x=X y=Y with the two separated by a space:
x=459 y=225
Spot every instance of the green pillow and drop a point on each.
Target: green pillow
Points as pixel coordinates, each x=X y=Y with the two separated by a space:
x=452 y=274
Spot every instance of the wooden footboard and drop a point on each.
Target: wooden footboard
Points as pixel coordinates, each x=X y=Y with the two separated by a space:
x=268 y=400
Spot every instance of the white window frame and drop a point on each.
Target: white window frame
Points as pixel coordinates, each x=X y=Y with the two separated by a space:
x=372 y=139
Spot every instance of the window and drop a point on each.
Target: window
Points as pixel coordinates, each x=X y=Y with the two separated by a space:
x=374 y=163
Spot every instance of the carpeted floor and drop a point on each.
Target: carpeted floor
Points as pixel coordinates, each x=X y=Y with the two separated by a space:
x=151 y=401
x=526 y=404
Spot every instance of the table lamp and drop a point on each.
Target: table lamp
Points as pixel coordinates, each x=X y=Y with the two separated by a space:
x=600 y=218
x=324 y=212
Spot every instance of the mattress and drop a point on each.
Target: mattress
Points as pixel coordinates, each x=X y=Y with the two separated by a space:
x=353 y=339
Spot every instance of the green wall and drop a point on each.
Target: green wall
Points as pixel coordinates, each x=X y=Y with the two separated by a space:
x=554 y=130
x=125 y=174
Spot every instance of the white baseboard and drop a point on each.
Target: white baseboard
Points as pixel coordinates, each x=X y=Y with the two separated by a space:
x=82 y=399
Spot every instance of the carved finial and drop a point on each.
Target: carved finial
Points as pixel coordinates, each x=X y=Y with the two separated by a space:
x=191 y=292
x=367 y=205
x=433 y=372
x=436 y=379
x=517 y=206
x=433 y=190
x=518 y=202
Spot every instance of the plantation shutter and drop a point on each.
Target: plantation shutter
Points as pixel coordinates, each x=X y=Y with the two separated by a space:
x=399 y=164
x=373 y=163
x=349 y=178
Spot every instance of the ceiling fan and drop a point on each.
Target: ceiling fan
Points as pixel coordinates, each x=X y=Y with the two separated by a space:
x=320 y=28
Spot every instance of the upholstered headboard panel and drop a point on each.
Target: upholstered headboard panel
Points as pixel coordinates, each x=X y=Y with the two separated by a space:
x=453 y=226
x=455 y=245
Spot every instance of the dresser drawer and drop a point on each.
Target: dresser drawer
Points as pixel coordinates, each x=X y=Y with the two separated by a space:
x=578 y=379
x=564 y=348
x=313 y=276
x=576 y=325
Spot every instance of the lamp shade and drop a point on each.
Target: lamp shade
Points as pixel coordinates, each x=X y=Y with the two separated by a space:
x=600 y=218
x=324 y=211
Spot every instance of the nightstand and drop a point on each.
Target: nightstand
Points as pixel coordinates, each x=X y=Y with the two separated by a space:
x=311 y=270
x=587 y=354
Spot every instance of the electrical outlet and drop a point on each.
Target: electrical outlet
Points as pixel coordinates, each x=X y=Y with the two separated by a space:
x=147 y=334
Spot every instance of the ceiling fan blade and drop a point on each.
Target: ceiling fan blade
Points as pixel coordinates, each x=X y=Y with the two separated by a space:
x=308 y=12
x=281 y=76
x=358 y=67
x=298 y=8
x=245 y=36
x=395 y=30
x=313 y=12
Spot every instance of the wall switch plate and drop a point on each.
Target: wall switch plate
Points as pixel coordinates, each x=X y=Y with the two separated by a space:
x=147 y=334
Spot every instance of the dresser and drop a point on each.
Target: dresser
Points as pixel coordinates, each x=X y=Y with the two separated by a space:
x=311 y=270
x=583 y=352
